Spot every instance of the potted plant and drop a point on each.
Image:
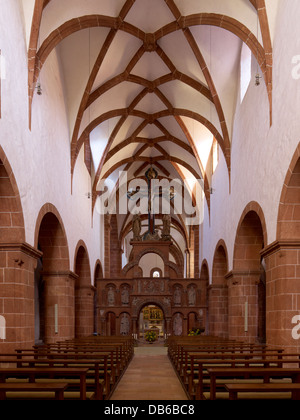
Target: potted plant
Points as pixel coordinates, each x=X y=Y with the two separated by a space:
x=195 y=331
x=150 y=336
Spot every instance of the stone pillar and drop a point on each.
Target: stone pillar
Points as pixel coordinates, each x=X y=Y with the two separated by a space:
x=243 y=305
x=59 y=305
x=187 y=263
x=218 y=310
x=185 y=326
x=84 y=311
x=168 y=325
x=107 y=229
x=118 y=325
x=134 y=329
x=283 y=294
x=17 y=265
x=102 y=323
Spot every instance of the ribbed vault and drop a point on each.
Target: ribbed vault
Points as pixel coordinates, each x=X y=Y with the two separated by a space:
x=150 y=82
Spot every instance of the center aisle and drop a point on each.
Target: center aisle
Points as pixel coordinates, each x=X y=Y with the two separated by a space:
x=150 y=376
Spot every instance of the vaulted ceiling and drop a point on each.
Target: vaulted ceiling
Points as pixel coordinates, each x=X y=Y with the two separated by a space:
x=150 y=82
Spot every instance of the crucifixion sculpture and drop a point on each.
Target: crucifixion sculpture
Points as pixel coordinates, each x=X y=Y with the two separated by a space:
x=151 y=195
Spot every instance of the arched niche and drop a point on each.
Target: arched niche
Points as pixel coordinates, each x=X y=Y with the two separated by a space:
x=54 y=312
x=84 y=293
x=151 y=261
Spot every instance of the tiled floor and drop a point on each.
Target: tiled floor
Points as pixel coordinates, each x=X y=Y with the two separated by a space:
x=150 y=376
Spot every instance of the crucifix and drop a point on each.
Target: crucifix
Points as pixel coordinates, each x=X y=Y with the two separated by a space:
x=151 y=174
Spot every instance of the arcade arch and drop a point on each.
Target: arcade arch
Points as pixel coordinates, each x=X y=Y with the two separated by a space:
x=246 y=290
x=54 y=312
x=150 y=263
x=151 y=318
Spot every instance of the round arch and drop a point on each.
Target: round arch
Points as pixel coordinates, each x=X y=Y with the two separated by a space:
x=246 y=288
x=157 y=301
x=84 y=293
x=151 y=250
x=82 y=262
x=220 y=263
x=49 y=224
x=13 y=205
x=251 y=237
x=98 y=272
x=288 y=226
x=204 y=271
x=151 y=321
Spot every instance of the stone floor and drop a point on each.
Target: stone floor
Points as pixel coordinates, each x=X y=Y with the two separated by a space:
x=150 y=376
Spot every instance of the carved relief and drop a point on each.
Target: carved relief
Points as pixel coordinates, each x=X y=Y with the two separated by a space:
x=125 y=324
x=125 y=293
x=151 y=286
x=110 y=295
x=177 y=324
x=192 y=295
x=177 y=296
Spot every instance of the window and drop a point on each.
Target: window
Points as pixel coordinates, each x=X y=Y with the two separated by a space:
x=2 y=328
x=245 y=70
x=156 y=272
x=215 y=154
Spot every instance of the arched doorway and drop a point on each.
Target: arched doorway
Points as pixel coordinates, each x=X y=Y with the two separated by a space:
x=84 y=294
x=283 y=267
x=246 y=312
x=98 y=275
x=204 y=285
x=152 y=263
x=192 y=320
x=111 y=328
x=54 y=312
x=17 y=264
x=151 y=318
x=218 y=293
x=39 y=307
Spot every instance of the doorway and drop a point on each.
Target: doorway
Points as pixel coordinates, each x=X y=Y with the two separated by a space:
x=151 y=319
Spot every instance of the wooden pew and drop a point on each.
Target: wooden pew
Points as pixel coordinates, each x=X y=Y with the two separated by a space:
x=34 y=374
x=190 y=357
x=179 y=353
x=25 y=388
x=254 y=372
x=190 y=361
x=98 y=374
x=85 y=350
x=118 y=362
x=106 y=357
x=125 y=343
x=195 y=379
x=226 y=353
x=234 y=389
x=183 y=351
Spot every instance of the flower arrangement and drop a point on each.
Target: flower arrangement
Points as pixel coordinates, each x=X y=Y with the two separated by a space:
x=150 y=336
x=194 y=331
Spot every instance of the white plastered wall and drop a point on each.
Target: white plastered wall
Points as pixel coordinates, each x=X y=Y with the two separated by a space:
x=261 y=154
x=40 y=157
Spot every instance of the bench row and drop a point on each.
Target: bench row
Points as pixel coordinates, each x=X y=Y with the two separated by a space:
x=206 y=366
x=91 y=368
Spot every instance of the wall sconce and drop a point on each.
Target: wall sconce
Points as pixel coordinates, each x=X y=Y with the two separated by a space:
x=257 y=79
x=39 y=89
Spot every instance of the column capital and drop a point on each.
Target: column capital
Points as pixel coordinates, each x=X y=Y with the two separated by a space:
x=236 y=277
x=21 y=247
x=280 y=244
x=63 y=273
x=241 y=273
